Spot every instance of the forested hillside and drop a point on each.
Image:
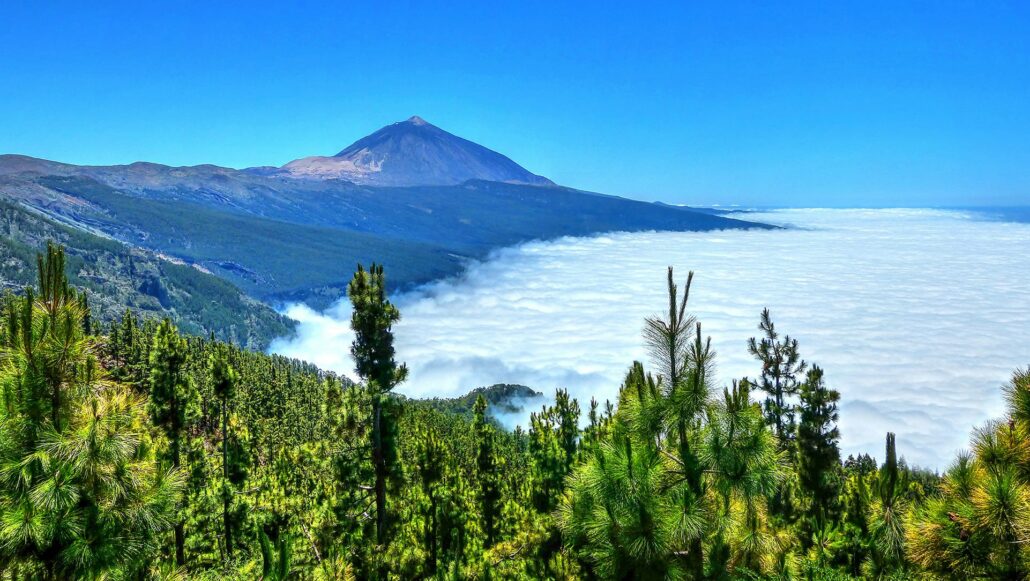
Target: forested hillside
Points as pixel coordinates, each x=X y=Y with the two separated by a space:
x=501 y=398
x=119 y=277
x=130 y=451
x=297 y=240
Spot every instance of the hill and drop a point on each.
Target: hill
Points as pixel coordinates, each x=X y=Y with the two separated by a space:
x=502 y=399
x=119 y=277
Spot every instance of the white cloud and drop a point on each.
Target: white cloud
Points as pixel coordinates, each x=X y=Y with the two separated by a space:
x=917 y=316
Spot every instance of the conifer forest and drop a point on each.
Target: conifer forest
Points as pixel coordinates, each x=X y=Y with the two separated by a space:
x=132 y=450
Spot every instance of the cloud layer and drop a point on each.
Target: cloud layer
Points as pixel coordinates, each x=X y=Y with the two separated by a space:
x=917 y=316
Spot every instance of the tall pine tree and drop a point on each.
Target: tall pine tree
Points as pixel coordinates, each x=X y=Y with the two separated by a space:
x=170 y=396
x=223 y=382
x=818 y=457
x=489 y=494
x=372 y=320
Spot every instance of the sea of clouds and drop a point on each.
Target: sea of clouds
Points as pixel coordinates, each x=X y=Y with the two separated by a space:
x=917 y=316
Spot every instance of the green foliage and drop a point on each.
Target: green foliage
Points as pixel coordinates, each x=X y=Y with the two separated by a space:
x=978 y=525
x=888 y=521
x=668 y=340
x=781 y=367
x=170 y=390
x=553 y=445
x=488 y=471
x=128 y=450
x=82 y=494
x=118 y=277
x=372 y=320
x=818 y=457
x=170 y=398
x=674 y=489
x=501 y=398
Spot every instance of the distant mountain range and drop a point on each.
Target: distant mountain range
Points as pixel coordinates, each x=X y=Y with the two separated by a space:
x=411 y=196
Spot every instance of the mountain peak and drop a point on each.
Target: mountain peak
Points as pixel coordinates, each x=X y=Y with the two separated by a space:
x=413 y=153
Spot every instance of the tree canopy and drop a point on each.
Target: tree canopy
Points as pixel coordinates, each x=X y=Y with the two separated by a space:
x=130 y=451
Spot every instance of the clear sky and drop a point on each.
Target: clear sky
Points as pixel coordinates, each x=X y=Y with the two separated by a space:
x=763 y=103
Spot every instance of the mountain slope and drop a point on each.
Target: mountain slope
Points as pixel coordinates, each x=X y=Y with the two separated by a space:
x=281 y=238
x=413 y=153
x=118 y=277
x=273 y=260
x=419 y=233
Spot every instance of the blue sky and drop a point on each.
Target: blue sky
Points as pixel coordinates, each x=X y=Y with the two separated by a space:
x=822 y=103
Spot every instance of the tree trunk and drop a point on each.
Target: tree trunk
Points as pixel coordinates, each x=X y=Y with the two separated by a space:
x=379 y=460
x=696 y=560
x=180 y=544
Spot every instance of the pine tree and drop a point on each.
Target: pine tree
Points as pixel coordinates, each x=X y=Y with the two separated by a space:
x=372 y=320
x=170 y=396
x=627 y=512
x=747 y=468
x=668 y=340
x=62 y=335
x=888 y=528
x=592 y=432
x=488 y=471
x=81 y=495
x=818 y=457
x=781 y=368
x=429 y=466
x=856 y=523
x=223 y=381
x=675 y=488
x=978 y=525
x=553 y=442
x=87 y=317
x=677 y=347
